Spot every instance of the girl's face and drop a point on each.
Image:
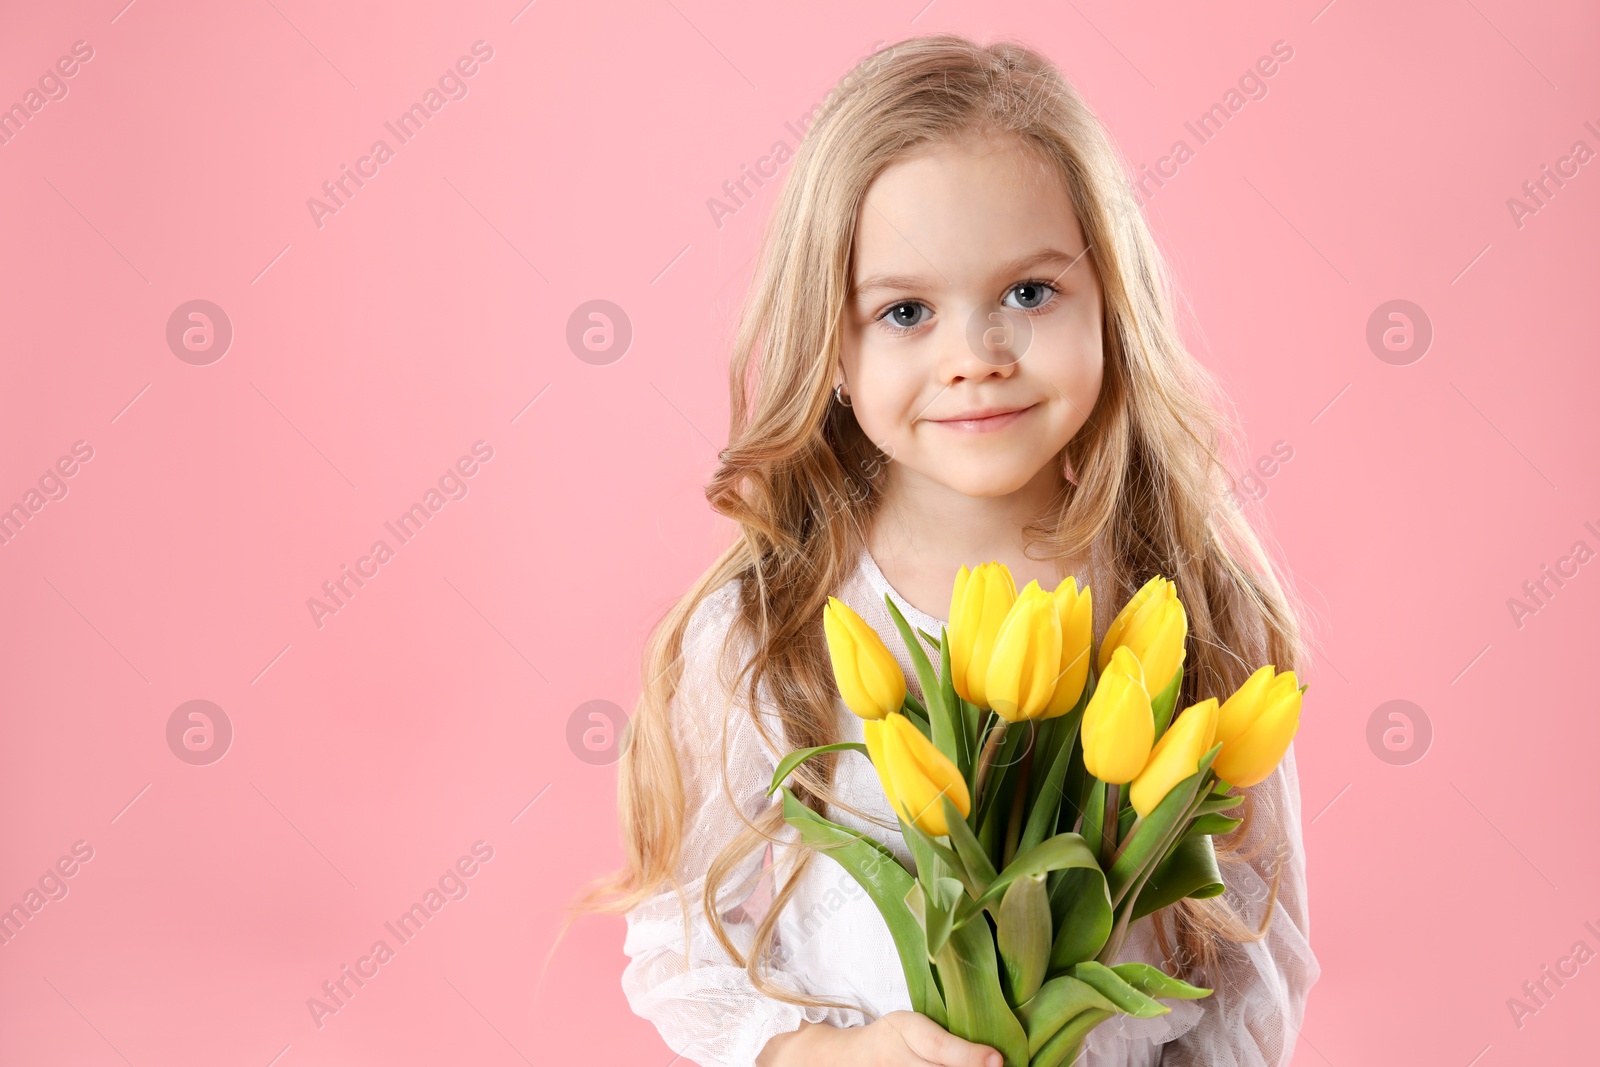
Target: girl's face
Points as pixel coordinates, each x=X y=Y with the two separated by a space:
x=971 y=344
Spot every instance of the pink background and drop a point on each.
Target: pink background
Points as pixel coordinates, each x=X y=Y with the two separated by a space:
x=371 y=352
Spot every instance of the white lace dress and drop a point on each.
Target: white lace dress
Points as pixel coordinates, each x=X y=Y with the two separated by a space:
x=832 y=942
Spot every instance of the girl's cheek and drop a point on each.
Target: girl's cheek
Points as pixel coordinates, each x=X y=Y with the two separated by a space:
x=1071 y=346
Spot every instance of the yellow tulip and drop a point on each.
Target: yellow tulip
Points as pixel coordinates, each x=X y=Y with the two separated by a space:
x=1076 y=612
x=914 y=773
x=1118 y=725
x=1152 y=625
x=872 y=732
x=1026 y=658
x=1119 y=624
x=979 y=604
x=870 y=681
x=1176 y=756
x=1255 y=726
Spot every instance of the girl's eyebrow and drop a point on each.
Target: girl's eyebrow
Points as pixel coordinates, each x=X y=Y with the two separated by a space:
x=1015 y=267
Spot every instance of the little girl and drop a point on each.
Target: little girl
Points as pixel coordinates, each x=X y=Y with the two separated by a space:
x=960 y=348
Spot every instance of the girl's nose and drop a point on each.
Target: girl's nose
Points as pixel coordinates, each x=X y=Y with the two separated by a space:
x=992 y=342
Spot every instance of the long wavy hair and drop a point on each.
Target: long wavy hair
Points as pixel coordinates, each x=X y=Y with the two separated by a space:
x=1149 y=490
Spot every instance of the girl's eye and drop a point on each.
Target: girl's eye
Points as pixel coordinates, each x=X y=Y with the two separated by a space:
x=907 y=315
x=1031 y=295
x=904 y=316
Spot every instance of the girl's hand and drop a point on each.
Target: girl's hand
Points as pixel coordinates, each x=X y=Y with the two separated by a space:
x=911 y=1039
x=898 y=1039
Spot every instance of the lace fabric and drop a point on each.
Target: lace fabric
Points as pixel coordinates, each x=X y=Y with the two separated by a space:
x=831 y=941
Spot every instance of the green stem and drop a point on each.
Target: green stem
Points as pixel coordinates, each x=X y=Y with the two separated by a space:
x=1122 y=845
x=1108 y=824
x=991 y=744
x=1123 y=905
x=1019 y=798
x=1168 y=840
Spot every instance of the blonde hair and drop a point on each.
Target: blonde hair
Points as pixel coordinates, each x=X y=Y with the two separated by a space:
x=802 y=481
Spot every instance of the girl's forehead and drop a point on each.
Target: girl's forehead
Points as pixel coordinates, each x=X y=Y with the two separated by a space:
x=968 y=173
x=1017 y=151
x=950 y=208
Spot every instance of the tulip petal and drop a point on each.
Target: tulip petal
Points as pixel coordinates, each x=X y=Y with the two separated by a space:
x=872 y=730
x=1075 y=612
x=880 y=675
x=1155 y=626
x=869 y=678
x=1159 y=643
x=1022 y=670
x=960 y=632
x=919 y=775
x=1118 y=725
x=1241 y=709
x=997 y=592
x=1175 y=756
x=1255 y=754
x=1114 y=632
x=1255 y=726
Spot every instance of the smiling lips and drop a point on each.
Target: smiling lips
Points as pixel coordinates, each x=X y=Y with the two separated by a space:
x=984 y=420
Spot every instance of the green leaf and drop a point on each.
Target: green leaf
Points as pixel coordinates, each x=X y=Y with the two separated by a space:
x=1163 y=703
x=940 y=715
x=1189 y=871
x=1044 y=754
x=1057 y=853
x=1056 y=1003
x=1108 y=983
x=787 y=765
x=939 y=910
x=1063 y=737
x=913 y=707
x=1149 y=842
x=996 y=815
x=1155 y=983
x=966 y=753
x=1212 y=825
x=1072 y=789
x=1004 y=770
x=1023 y=936
x=973 y=998
x=989 y=835
x=1047 y=800
x=1067 y=1043
x=1080 y=909
x=933 y=642
x=1166 y=829
x=978 y=865
x=1094 y=813
x=886 y=881
x=1219 y=802
x=1125 y=815
x=934 y=860
x=971 y=719
x=918 y=903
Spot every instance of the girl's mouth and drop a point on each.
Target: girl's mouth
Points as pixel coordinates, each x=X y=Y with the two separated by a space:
x=984 y=424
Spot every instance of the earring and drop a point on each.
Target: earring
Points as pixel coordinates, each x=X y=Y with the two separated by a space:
x=838 y=395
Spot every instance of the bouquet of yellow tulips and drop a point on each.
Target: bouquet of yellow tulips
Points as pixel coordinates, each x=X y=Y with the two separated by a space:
x=1047 y=805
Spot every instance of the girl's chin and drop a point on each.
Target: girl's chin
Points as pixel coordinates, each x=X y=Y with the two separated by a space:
x=981 y=479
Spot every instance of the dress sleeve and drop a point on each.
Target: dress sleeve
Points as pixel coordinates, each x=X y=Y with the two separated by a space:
x=1255 y=1012
x=680 y=978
